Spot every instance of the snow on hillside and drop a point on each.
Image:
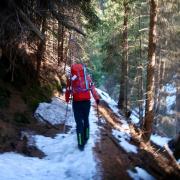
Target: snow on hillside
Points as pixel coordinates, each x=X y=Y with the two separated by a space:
x=171 y=97
x=63 y=159
x=112 y=104
x=123 y=138
x=105 y=96
x=55 y=112
x=134 y=116
x=159 y=140
x=139 y=173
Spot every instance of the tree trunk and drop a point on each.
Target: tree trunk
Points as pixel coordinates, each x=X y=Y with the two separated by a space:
x=41 y=49
x=60 y=45
x=178 y=103
x=149 y=111
x=140 y=94
x=140 y=79
x=159 y=88
x=123 y=96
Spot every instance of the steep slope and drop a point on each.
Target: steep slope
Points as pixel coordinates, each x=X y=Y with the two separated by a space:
x=123 y=153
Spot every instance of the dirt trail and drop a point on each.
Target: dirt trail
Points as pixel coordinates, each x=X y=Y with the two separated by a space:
x=115 y=161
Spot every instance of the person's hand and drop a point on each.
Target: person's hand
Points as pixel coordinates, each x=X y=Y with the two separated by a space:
x=97 y=101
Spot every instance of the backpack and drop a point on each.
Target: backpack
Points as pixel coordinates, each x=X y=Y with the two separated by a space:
x=79 y=79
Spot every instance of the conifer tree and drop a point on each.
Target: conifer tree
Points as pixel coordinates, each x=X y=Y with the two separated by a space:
x=149 y=111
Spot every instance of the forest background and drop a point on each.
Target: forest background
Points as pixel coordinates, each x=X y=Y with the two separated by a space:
x=129 y=46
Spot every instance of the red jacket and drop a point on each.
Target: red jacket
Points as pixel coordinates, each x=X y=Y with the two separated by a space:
x=81 y=96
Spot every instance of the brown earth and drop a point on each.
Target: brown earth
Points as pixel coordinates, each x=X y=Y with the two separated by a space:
x=11 y=138
x=115 y=161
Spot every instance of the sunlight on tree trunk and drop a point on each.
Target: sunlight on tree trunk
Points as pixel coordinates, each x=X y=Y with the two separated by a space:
x=41 y=49
x=123 y=97
x=178 y=103
x=149 y=111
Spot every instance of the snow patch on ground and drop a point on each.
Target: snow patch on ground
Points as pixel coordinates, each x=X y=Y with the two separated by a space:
x=140 y=174
x=159 y=140
x=112 y=104
x=170 y=101
x=123 y=138
x=170 y=88
x=106 y=97
x=134 y=117
x=171 y=98
x=54 y=112
x=63 y=159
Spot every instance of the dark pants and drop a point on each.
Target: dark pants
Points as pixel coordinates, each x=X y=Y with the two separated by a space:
x=81 y=114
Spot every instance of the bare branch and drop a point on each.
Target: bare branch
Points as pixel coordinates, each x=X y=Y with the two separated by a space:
x=27 y=21
x=61 y=19
x=30 y=24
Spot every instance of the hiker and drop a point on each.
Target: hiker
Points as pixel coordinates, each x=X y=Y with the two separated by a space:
x=79 y=86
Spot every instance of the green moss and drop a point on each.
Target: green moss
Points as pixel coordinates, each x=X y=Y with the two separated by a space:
x=4 y=97
x=35 y=94
x=21 y=118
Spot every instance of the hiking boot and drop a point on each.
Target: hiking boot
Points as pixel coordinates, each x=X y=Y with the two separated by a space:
x=81 y=147
x=80 y=141
x=86 y=135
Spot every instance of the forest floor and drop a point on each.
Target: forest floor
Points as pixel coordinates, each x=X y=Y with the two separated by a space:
x=148 y=162
x=114 y=150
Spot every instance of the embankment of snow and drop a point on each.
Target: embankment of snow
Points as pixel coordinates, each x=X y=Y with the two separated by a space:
x=139 y=173
x=55 y=112
x=63 y=159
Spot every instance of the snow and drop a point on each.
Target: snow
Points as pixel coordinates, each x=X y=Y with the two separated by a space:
x=171 y=98
x=170 y=88
x=134 y=117
x=159 y=140
x=123 y=138
x=63 y=159
x=112 y=104
x=54 y=112
x=140 y=174
x=104 y=96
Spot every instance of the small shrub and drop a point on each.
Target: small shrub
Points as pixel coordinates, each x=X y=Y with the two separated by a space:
x=21 y=118
x=36 y=94
x=4 y=97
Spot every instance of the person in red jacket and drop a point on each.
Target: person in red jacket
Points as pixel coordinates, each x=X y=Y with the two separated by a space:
x=79 y=85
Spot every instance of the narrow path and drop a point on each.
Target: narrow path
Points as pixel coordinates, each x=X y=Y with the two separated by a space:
x=104 y=156
x=113 y=161
x=63 y=159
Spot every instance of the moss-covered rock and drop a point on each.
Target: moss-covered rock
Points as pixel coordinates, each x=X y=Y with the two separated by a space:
x=35 y=94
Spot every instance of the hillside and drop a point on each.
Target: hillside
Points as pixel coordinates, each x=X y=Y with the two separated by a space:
x=89 y=89
x=114 y=149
